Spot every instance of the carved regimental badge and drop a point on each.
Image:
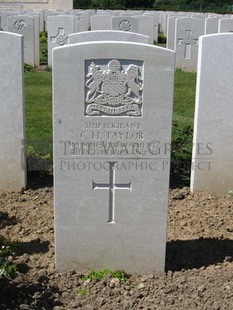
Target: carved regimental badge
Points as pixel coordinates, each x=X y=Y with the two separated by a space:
x=125 y=25
x=20 y=24
x=114 y=90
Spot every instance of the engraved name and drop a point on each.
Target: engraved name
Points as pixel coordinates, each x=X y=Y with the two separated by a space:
x=97 y=135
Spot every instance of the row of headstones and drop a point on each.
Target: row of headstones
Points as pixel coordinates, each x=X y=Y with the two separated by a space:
x=183 y=35
x=85 y=16
x=112 y=120
x=31 y=24
x=60 y=26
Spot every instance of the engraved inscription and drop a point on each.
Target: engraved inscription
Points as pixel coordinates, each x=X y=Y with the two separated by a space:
x=125 y=25
x=20 y=24
x=114 y=91
x=188 y=41
x=60 y=38
x=127 y=126
x=112 y=186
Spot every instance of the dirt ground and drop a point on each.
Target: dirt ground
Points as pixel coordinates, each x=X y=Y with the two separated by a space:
x=199 y=263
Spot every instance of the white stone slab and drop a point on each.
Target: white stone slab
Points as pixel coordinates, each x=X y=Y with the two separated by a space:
x=156 y=23
x=225 y=25
x=163 y=24
x=111 y=155
x=101 y=22
x=81 y=21
x=211 y=25
x=170 y=44
x=4 y=15
x=103 y=12
x=125 y=23
x=107 y=35
x=50 y=13
x=36 y=20
x=24 y=25
x=59 y=27
x=12 y=153
x=187 y=35
x=40 y=15
x=213 y=127
x=146 y=26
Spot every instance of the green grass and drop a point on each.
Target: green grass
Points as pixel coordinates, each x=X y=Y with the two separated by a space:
x=184 y=98
x=38 y=106
x=101 y=274
x=43 y=53
x=183 y=119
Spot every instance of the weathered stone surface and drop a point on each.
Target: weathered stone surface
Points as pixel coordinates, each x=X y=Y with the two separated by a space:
x=12 y=153
x=112 y=127
x=212 y=153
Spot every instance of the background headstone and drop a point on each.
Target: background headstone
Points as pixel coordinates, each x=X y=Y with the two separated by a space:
x=59 y=27
x=107 y=35
x=81 y=21
x=146 y=26
x=101 y=22
x=125 y=23
x=211 y=25
x=212 y=163
x=187 y=35
x=12 y=152
x=155 y=16
x=24 y=25
x=225 y=25
x=170 y=43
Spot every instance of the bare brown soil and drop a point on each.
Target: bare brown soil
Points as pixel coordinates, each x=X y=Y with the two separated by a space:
x=199 y=264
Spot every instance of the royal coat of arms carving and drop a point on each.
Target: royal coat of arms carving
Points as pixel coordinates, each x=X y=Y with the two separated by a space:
x=115 y=91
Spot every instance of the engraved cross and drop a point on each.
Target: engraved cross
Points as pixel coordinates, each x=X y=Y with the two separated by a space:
x=112 y=186
x=60 y=38
x=188 y=41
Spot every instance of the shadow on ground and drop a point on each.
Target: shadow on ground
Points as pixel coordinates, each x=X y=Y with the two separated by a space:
x=39 y=179
x=189 y=254
x=6 y=220
x=32 y=247
x=27 y=295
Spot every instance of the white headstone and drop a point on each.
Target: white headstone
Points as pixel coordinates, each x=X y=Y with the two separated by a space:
x=187 y=35
x=103 y=12
x=107 y=35
x=59 y=27
x=36 y=20
x=211 y=25
x=170 y=44
x=212 y=167
x=12 y=152
x=163 y=24
x=112 y=106
x=51 y=13
x=125 y=23
x=101 y=22
x=225 y=25
x=4 y=15
x=24 y=25
x=155 y=16
x=146 y=26
x=81 y=21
